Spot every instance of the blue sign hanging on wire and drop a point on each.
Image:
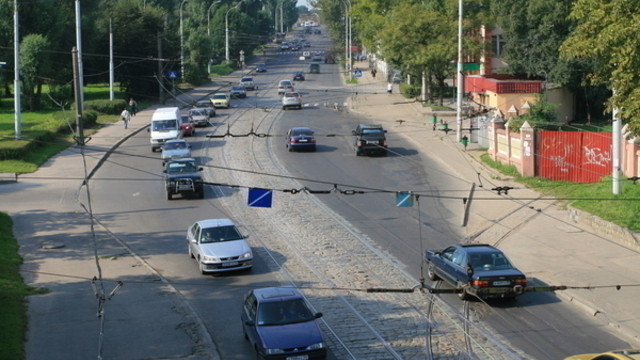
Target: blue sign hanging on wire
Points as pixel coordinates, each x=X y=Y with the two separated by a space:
x=404 y=198
x=172 y=74
x=357 y=73
x=260 y=197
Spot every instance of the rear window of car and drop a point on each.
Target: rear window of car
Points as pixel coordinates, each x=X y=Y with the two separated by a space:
x=246 y=79
x=285 y=83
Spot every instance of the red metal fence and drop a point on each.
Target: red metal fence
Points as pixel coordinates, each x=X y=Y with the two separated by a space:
x=579 y=157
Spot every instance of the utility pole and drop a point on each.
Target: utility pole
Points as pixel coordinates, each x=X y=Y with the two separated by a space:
x=16 y=82
x=80 y=104
x=616 y=138
x=459 y=76
x=111 y=68
x=77 y=94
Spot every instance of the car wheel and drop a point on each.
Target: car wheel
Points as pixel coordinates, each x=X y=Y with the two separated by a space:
x=191 y=252
x=284 y=108
x=244 y=332
x=169 y=195
x=290 y=148
x=464 y=295
x=431 y=274
x=358 y=153
x=201 y=194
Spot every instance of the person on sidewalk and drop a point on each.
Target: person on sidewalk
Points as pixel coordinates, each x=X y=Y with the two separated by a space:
x=374 y=72
x=389 y=88
x=133 y=105
x=126 y=117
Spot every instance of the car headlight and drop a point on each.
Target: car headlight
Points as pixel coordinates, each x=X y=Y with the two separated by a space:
x=209 y=258
x=246 y=255
x=273 y=351
x=172 y=182
x=316 y=346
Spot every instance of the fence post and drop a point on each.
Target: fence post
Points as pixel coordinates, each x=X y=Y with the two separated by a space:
x=528 y=150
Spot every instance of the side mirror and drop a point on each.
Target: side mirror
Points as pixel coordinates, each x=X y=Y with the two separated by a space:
x=353 y=132
x=148 y=130
x=245 y=236
x=200 y=169
x=164 y=171
x=318 y=315
x=469 y=270
x=249 y=323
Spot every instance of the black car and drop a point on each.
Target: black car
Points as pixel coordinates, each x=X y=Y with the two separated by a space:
x=261 y=67
x=369 y=138
x=298 y=76
x=183 y=176
x=238 y=92
x=479 y=270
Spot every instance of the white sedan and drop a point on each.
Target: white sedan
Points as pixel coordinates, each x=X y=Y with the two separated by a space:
x=217 y=245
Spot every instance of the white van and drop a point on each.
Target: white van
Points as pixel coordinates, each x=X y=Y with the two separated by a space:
x=165 y=126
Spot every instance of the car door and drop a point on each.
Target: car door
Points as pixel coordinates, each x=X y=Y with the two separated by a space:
x=444 y=265
x=193 y=234
x=459 y=263
x=249 y=310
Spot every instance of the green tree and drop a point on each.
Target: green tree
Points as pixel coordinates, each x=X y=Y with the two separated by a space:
x=607 y=34
x=34 y=65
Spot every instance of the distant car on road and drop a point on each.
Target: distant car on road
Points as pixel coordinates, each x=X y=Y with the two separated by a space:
x=291 y=99
x=206 y=104
x=480 y=270
x=175 y=149
x=301 y=138
x=218 y=246
x=316 y=58
x=247 y=83
x=238 y=92
x=284 y=86
x=188 y=129
x=298 y=76
x=199 y=116
x=370 y=138
x=182 y=176
x=280 y=325
x=261 y=67
x=221 y=100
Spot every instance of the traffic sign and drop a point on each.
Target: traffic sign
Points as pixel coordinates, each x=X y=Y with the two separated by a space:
x=260 y=197
x=357 y=73
x=172 y=74
x=404 y=198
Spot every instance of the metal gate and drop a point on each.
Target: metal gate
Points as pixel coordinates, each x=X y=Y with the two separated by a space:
x=579 y=157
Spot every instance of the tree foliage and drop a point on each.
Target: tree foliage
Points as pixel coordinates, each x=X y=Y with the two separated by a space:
x=607 y=34
x=35 y=65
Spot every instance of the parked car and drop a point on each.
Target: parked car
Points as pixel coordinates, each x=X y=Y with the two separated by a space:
x=370 y=138
x=218 y=246
x=238 y=92
x=247 y=83
x=182 y=176
x=280 y=325
x=221 y=100
x=188 y=129
x=291 y=99
x=480 y=270
x=175 y=149
x=261 y=67
x=630 y=354
x=199 y=116
x=284 y=86
x=206 y=104
x=298 y=76
x=301 y=138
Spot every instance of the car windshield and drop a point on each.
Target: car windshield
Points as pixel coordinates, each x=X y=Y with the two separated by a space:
x=291 y=95
x=184 y=119
x=160 y=125
x=237 y=88
x=285 y=83
x=301 y=132
x=490 y=261
x=246 y=79
x=174 y=145
x=202 y=104
x=181 y=167
x=221 y=233
x=197 y=112
x=219 y=96
x=283 y=312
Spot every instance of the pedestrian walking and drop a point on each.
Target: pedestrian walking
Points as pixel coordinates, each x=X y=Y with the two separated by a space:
x=389 y=88
x=126 y=117
x=374 y=72
x=133 y=106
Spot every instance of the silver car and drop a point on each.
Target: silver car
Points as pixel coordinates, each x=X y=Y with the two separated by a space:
x=199 y=116
x=175 y=149
x=291 y=100
x=217 y=245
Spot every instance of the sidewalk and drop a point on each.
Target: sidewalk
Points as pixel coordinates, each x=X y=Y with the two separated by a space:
x=552 y=245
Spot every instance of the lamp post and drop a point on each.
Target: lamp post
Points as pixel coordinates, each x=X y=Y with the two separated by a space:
x=347 y=34
x=181 y=43
x=226 y=31
x=209 y=17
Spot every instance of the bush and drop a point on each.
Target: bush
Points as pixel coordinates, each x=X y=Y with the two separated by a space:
x=410 y=91
x=105 y=106
x=221 y=70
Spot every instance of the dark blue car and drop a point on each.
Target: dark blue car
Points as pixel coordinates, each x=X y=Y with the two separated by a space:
x=279 y=325
x=478 y=269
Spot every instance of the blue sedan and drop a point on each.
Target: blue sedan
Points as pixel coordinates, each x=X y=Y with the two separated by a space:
x=480 y=270
x=301 y=138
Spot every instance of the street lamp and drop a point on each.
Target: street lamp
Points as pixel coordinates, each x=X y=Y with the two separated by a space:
x=226 y=31
x=347 y=34
x=209 y=17
x=181 y=43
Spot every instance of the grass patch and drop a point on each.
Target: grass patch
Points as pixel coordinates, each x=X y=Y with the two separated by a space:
x=596 y=199
x=13 y=308
x=352 y=80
